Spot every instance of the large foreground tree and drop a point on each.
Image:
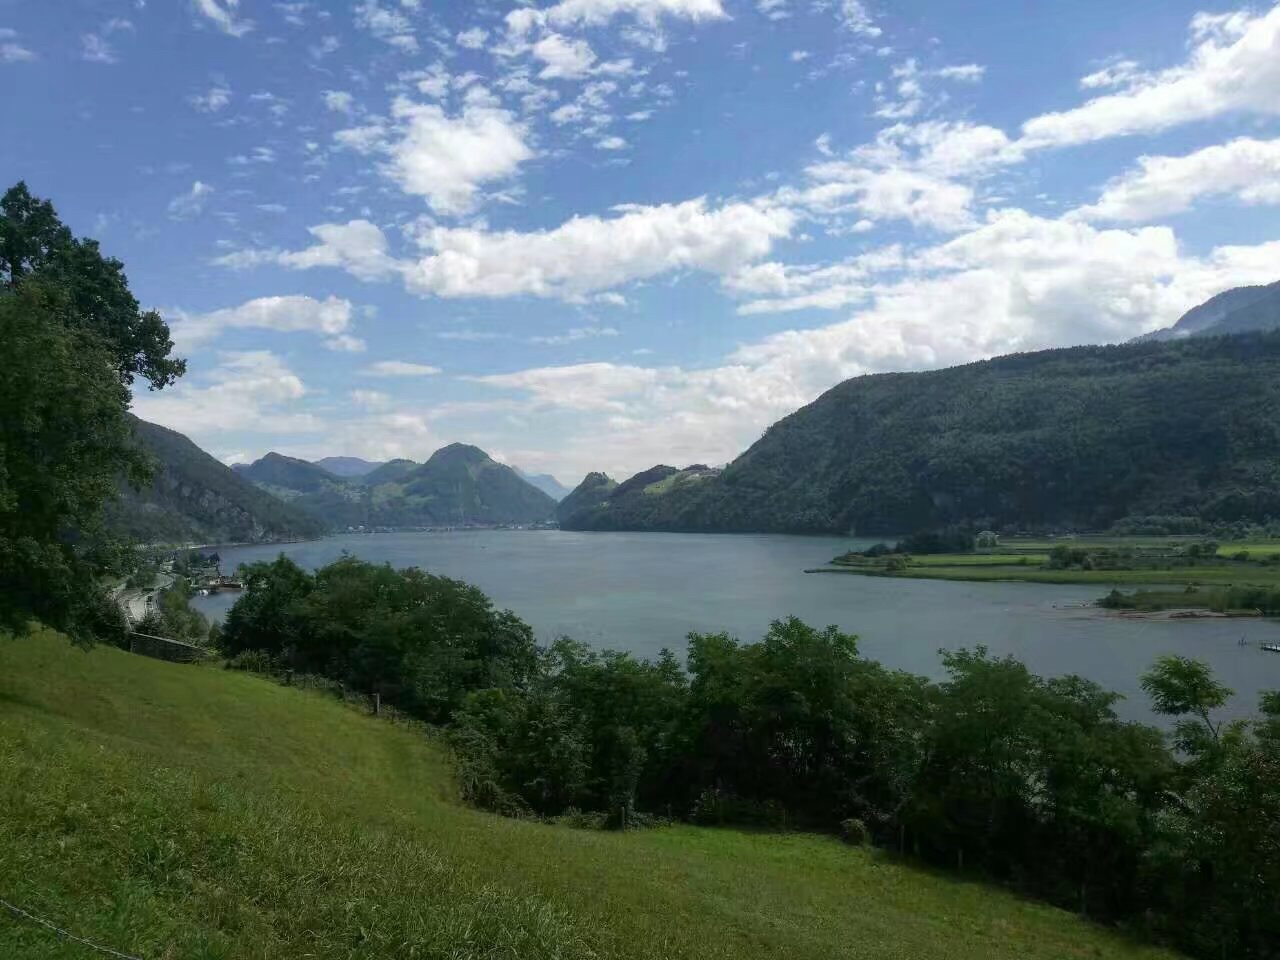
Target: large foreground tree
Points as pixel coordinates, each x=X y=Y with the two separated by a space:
x=74 y=339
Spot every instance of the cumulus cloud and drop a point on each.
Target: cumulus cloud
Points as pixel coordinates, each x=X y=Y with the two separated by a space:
x=565 y=59
x=473 y=39
x=446 y=159
x=581 y=256
x=224 y=14
x=1234 y=65
x=589 y=254
x=247 y=392
x=329 y=318
x=1246 y=169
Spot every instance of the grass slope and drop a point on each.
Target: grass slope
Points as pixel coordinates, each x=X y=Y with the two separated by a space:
x=190 y=812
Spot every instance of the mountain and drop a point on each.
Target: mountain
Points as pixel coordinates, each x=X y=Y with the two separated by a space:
x=347 y=467
x=1062 y=439
x=287 y=473
x=1234 y=311
x=545 y=482
x=391 y=472
x=592 y=493
x=195 y=498
x=330 y=499
x=458 y=485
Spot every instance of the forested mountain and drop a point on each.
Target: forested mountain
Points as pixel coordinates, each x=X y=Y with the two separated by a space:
x=458 y=485
x=391 y=472
x=545 y=482
x=195 y=498
x=591 y=493
x=347 y=466
x=1233 y=311
x=1069 y=439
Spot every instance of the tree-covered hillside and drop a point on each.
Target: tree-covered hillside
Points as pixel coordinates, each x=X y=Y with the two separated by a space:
x=458 y=485
x=195 y=498
x=1077 y=438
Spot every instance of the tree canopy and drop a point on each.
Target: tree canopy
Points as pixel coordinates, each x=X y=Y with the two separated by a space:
x=75 y=340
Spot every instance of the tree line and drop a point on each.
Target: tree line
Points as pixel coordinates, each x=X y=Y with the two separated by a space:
x=992 y=771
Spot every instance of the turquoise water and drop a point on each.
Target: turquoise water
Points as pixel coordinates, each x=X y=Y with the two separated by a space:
x=641 y=592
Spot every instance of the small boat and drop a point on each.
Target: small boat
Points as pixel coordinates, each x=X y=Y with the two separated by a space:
x=1270 y=647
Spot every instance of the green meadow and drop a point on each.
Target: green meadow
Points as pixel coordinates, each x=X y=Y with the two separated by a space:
x=192 y=812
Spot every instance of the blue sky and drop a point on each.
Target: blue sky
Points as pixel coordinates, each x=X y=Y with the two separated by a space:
x=604 y=234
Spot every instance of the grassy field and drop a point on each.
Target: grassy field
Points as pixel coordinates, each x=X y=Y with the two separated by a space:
x=190 y=812
x=1026 y=560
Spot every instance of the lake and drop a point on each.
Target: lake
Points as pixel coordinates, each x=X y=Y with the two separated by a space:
x=641 y=592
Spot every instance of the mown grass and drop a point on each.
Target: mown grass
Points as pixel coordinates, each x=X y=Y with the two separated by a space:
x=1027 y=560
x=190 y=812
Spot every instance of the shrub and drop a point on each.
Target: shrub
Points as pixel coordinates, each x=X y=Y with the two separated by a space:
x=251 y=661
x=854 y=832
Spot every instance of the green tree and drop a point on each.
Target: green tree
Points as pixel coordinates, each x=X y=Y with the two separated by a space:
x=75 y=339
x=64 y=444
x=36 y=246
x=1182 y=687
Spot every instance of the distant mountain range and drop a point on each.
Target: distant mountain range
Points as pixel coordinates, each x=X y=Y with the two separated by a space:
x=458 y=485
x=1080 y=438
x=1235 y=311
x=545 y=482
x=195 y=498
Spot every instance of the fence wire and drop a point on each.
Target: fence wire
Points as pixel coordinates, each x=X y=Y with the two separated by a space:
x=64 y=934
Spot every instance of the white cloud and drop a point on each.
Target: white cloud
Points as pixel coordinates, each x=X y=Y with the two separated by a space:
x=589 y=254
x=223 y=14
x=218 y=97
x=339 y=101
x=569 y=13
x=190 y=204
x=611 y=143
x=329 y=318
x=399 y=368
x=565 y=59
x=1234 y=66
x=248 y=392
x=1017 y=282
x=855 y=17
x=774 y=9
x=95 y=49
x=387 y=24
x=446 y=159
x=345 y=343
x=473 y=39
x=1246 y=169
x=964 y=73
x=15 y=53
x=582 y=256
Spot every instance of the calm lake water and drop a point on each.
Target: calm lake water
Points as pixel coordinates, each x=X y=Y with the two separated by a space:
x=641 y=592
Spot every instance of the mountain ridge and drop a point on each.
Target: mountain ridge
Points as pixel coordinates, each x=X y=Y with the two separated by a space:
x=1075 y=438
x=195 y=498
x=458 y=485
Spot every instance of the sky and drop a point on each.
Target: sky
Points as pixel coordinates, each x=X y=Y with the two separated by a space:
x=606 y=234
